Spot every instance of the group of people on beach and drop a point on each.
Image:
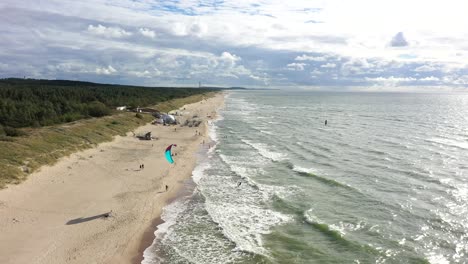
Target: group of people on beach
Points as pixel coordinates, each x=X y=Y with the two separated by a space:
x=142 y=166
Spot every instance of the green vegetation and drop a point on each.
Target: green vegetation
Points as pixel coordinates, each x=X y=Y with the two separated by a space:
x=26 y=149
x=28 y=102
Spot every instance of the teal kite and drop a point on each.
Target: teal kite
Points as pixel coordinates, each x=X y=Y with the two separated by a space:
x=168 y=153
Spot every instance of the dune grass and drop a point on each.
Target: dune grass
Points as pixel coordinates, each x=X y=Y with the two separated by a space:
x=20 y=156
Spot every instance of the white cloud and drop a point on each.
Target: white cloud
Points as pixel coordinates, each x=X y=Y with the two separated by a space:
x=429 y=79
x=309 y=58
x=106 y=70
x=147 y=33
x=462 y=80
x=197 y=29
x=357 y=66
x=399 y=40
x=316 y=72
x=229 y=59
x=296 y=66
x=141 y=74
x=188 y=40
x=391 y=79
x=328 y=65
x=425 y=68
x=109 y=32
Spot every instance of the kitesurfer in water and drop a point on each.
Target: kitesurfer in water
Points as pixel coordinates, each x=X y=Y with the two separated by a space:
x=326 y=122
x=239 y=184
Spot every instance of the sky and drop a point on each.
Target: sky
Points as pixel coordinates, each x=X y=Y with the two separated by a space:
x=365 y=45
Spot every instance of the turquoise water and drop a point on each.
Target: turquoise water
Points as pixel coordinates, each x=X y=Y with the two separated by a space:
x=385 y=181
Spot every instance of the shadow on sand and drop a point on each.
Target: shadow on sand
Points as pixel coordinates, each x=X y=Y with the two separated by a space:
x=86 y=219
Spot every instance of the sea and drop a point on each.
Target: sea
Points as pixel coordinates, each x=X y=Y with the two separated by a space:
x=384 y=181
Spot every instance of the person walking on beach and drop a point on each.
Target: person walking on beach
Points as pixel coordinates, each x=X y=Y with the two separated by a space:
x=167 y=187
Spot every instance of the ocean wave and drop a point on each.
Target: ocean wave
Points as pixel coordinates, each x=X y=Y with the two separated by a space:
x=450 y=142
x=246 y=224
x=311 y=151
x=169 y=215
x=199 y=170
x=265 y=151
x=263 y=130
x=241 y=211
x=323 y=227
x=239 y=169
x=330 y=182
x=435 y=258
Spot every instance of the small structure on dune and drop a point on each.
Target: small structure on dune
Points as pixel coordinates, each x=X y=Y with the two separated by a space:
x=165 y=119
x=169 y=119
x=147 y=110
x=146 y=136
x=121 y=108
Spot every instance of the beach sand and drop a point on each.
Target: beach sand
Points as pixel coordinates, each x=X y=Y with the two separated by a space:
x=58 y=215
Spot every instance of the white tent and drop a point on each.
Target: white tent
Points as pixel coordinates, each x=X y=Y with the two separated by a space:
x=169 y=119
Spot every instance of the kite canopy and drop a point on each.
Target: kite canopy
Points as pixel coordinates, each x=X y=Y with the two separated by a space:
x=168 y=153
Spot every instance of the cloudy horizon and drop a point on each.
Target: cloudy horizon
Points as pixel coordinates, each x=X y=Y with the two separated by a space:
x=325 y=45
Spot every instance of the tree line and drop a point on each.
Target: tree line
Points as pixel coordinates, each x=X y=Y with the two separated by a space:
x=35 y=103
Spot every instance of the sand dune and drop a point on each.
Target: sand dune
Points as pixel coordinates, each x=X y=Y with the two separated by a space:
x=95 y=206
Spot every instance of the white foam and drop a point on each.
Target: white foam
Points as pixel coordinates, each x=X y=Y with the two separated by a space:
x=244 y=224
x=169 y=216
x=341 y=227
x=265 y=151
x=242 y=212
x=246 y=173
x=304 y=170
x=436 y=258
x=344 y=227
x=199 y=170
x=212 y=131
x=282 y=192
x=311 y=218
x=263 y=130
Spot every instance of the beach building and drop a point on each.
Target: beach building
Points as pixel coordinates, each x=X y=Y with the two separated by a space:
x=146 y=110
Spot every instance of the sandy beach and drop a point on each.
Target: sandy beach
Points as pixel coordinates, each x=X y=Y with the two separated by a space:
x=59 y=214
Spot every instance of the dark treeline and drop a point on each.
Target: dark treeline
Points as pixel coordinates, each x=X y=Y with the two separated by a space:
x=29 y=102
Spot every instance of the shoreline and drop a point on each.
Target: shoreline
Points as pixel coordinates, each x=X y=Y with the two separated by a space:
x=89 y=183
x=185 y=190
x=148 y=236
x=147 y=240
